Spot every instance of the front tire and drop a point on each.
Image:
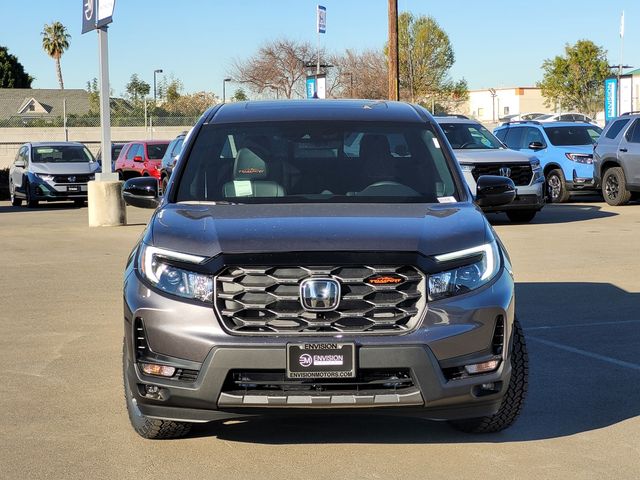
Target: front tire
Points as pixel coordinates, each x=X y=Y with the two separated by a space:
x=150 y=428
x=557 y=187
x=16 y=202
x=514 y=397
x=521 y=216
x=31 y=202
x=614 y=187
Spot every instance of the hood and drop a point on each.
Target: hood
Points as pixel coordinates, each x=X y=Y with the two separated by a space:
x=209 y=230
x=501 y=155
x=63 y=168
x=586 y=149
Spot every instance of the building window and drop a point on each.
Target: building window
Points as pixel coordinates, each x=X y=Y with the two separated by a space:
x=480 y=112
x=32 y=107
x=505 y=111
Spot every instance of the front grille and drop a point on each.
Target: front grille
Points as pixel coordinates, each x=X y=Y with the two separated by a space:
x=520 y=172
x=266 y=300
x=71 y=178
x=269 y=382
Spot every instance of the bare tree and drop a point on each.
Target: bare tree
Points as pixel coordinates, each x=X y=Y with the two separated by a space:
x=358 y=75
x=279 y=66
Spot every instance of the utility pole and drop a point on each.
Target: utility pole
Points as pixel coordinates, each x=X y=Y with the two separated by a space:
x=394 y=81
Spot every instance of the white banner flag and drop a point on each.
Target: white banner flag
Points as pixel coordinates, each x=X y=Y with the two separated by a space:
x=322 y=19
x=622 y=25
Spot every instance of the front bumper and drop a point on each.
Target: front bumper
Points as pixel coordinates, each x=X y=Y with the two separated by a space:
x=530 y=197
x=41 y=190
x=453 y=332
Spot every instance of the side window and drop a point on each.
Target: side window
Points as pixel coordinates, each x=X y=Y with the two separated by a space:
x=513 y=138
x=635 y=135
x=131 y=149
x=177 y=148
x=532 y=135
x=138 y=150
x=22 y=154
x=501 y=134
x=616 y=127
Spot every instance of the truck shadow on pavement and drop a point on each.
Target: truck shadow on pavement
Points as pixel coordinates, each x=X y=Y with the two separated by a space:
x=583 y=341
x=565 y=213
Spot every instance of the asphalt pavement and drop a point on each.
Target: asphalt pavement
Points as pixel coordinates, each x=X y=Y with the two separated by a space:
x=62 y=413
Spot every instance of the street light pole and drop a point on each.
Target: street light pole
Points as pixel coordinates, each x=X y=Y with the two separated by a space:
x=155 y=72
x=394 y=79
x=224 y=92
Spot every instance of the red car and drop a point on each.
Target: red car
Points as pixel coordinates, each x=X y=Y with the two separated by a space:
x=141 y=159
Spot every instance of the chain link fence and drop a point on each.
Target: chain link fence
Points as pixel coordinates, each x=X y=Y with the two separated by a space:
x=94 y=121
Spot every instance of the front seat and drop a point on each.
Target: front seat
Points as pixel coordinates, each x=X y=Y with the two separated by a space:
x=249 y=172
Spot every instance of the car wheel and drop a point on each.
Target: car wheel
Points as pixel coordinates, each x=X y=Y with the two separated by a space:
x=31 y=202
x=16 y=202
x=144 y=426
x=514 y=397
x=557 y=187
x=614 y=187
x=521 y=216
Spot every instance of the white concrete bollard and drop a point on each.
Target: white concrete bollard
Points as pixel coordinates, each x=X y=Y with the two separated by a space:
x=106 y=206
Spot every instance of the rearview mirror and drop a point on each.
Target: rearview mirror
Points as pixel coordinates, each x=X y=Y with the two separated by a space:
x=141 y=192
x=536 y=146
x=493 y=190
x=19 y=164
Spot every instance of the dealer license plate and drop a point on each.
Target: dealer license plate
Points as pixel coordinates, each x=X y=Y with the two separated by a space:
x=73 y=188
x=321 y=360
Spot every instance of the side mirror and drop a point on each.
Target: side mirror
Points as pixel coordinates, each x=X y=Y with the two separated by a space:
x=536 y=146
x=493 y=190
x=141 y=192
x=19 y=164
x=137 y=158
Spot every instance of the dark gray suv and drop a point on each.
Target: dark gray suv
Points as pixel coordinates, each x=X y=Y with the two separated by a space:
x=320 y=256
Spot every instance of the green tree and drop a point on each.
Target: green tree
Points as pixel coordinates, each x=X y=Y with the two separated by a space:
x=12 y=74
x=240 y=95
x=425 y=58
x=55 y=40
x=94 y=95
x=137 y=89
x=575 y=80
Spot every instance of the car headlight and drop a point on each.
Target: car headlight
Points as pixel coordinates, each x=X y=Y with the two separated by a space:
x=155 y=265
x=536 y=169
x=46 y=178
x=580 y=157
x=468 y=277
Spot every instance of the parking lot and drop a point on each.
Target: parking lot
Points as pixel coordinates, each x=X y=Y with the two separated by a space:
x=62 y=408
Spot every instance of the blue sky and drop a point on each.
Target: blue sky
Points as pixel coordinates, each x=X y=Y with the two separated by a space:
x=496 y=42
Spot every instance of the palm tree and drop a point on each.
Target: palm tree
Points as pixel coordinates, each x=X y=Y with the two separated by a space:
x=55 y=40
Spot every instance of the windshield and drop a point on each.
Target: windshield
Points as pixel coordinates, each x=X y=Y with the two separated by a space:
x=470 y=135
x=61 y=154
x=317 y=162
x=574 y=135
x=155 y=151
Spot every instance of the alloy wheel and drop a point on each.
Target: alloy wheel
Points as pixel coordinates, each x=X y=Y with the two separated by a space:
x=611 y=187
x=554 y=186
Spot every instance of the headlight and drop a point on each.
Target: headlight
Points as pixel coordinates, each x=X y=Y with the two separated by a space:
x=468 y=277
x=580 y=157
x=46 y=178
x=153 y=264
x=535 y=164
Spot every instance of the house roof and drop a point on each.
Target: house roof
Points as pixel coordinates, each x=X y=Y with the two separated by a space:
x=15 y=102
x=634 y=72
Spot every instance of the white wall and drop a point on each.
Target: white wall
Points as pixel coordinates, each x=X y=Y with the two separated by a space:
x=12 y=138
x=508 y=101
